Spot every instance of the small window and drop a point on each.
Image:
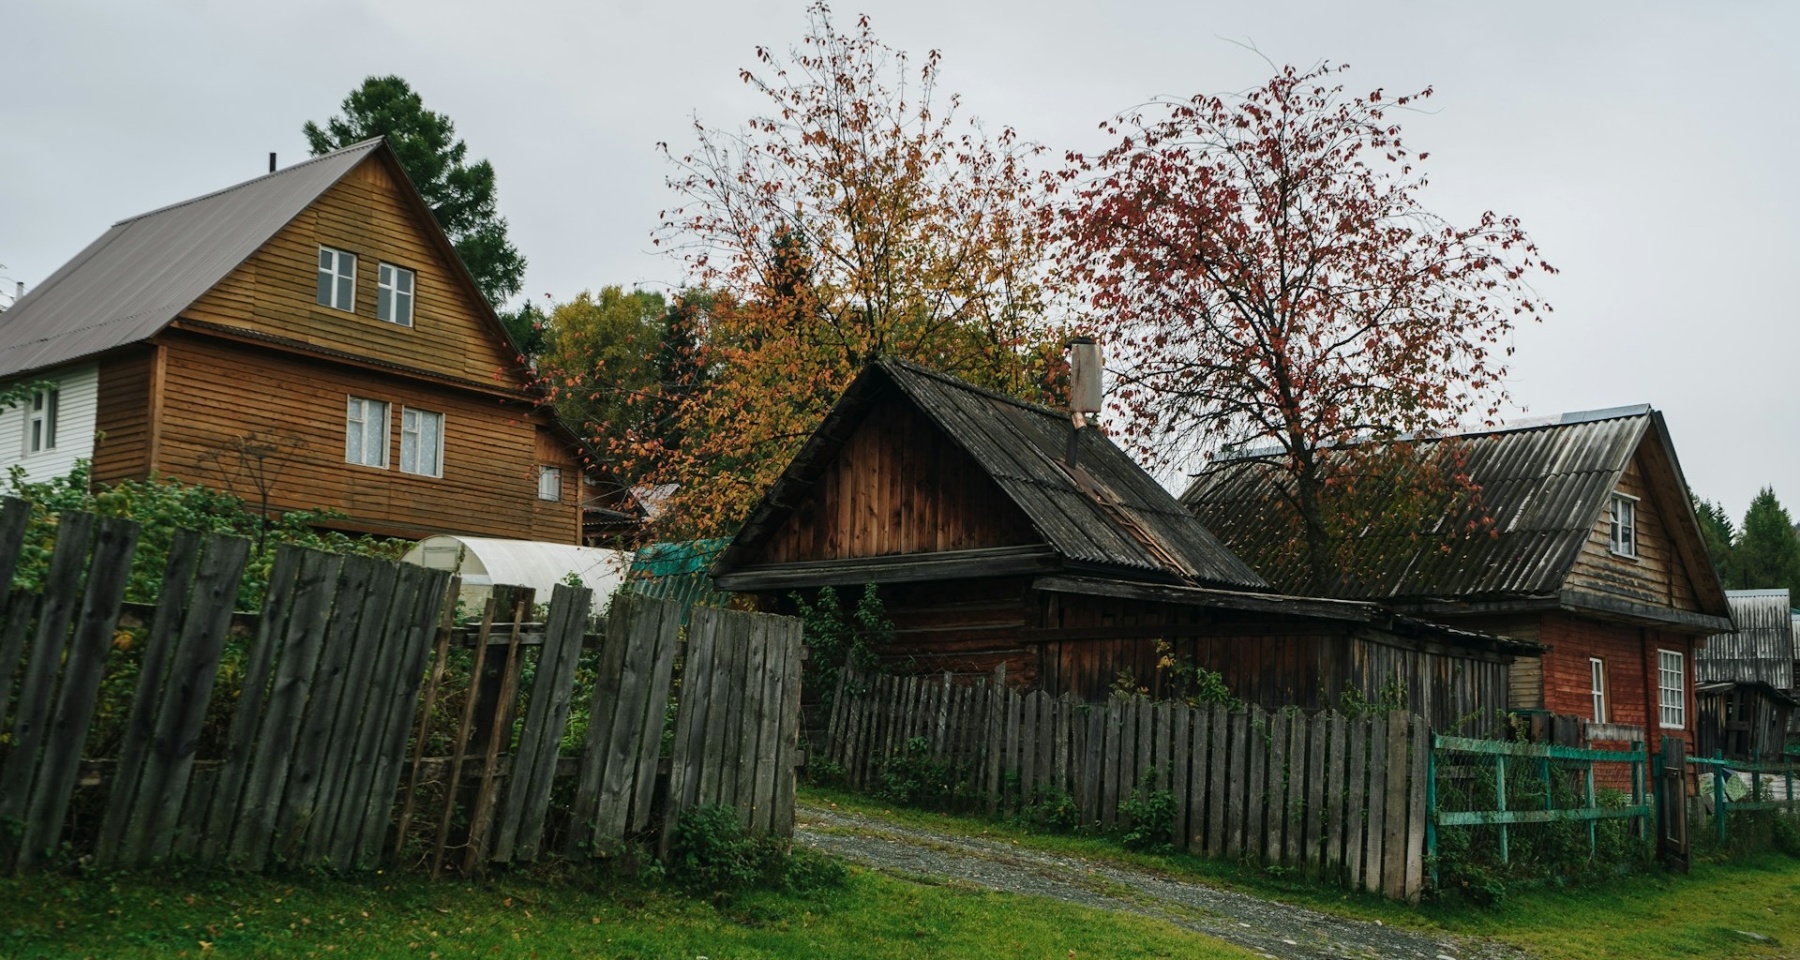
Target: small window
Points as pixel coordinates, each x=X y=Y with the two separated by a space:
x=1624 y=525
x=337 y=279
x=1671 y=688
x=366 y=432
x=40 y=422
x=549 y=483
x=394 y=295
x=421 y=442
x=1597 y=686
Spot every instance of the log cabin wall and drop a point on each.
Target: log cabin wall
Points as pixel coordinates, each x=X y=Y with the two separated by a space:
x=898 y=486
x=1655 y=575
x=490 y=450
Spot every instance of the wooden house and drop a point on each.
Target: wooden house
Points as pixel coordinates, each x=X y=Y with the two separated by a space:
x=1594 y=552
x=989 y=546
x=312 y=329
x=1744 y=679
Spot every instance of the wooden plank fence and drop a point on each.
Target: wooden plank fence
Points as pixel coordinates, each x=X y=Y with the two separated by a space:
x=364 y=727
x=1341 y=799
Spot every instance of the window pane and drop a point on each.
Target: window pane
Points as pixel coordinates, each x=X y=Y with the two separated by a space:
x=324 y=260
x=344 y=293
x=406 y=282
x=50 y=422
x=431 y=441
x=325 y=279
x=384 y=307
x=403 y=307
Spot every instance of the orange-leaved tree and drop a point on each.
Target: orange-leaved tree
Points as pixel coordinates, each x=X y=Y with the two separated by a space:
x=1267 y=280
x=858 y=217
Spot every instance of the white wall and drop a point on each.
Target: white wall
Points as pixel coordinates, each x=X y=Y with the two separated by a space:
x=78 y=391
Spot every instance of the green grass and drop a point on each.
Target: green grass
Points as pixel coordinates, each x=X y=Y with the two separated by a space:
x=1653 y=916
x=870 y=916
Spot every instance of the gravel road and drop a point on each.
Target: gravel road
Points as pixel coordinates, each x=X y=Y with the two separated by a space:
x=1272 y=929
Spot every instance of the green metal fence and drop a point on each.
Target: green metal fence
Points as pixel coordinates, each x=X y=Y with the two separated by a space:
x=1513 y=766
x=1764 y=786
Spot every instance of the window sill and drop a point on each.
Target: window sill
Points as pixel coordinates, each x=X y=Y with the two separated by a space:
x=367 y=466
x=1616 y=555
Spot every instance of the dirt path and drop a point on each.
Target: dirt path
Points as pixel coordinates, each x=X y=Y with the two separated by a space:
x=1270 y=928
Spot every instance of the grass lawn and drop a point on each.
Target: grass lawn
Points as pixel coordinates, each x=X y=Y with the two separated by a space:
x=871 y=916
x=1650 y=916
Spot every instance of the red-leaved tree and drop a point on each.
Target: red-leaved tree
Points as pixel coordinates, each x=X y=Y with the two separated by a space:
x=1265 y=277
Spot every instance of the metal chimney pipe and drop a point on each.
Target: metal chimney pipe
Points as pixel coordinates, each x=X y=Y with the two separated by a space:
x=18 y=292
x=271 y=161
x=1085 y=371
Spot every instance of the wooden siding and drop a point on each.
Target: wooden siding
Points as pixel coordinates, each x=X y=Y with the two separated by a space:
x=76 y=398
x=489 y=482
x=275 y=291
x=123 y=418
x=898 y=486
x=1656 y=575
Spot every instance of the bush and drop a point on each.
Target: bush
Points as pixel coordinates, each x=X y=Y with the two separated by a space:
x=1149 y=816
x=710 y=854
x=917 y=779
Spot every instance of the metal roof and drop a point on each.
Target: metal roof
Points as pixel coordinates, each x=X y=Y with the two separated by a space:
x=127 y=285
x=1106 y=512
x=1761 y=649
x=1543 y=484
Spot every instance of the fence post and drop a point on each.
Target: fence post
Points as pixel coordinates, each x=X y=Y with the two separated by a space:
x=1671 y=803
x=1431 y=808
x=1719 y=796
x=1500 y=802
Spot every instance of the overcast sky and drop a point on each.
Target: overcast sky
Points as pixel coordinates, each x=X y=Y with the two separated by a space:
x=1652 y=149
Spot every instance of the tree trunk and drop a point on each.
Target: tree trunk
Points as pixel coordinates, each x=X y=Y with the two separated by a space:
x=1308 y=487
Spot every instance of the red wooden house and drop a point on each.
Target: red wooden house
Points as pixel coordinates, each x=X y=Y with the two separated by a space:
x=1596 y=555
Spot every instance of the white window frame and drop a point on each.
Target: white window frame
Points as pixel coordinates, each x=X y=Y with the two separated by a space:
x=363 y=412
x=414 y=440
x=1671 y=689
x=1597 y=687
x=392 y=294
x=40 y=422
x=550 y=483
x=340 y=299
x=1621 y=515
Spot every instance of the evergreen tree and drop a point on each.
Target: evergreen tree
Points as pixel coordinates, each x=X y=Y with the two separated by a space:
x=460 y=194
x=1767 y=554
x=1716 y=530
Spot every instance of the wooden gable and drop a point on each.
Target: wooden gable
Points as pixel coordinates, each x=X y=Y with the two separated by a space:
x=374 y=214
x=1659 y=574
x=896 y=486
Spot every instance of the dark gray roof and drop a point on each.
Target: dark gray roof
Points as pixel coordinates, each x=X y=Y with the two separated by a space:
x=1106 y=513
x=127 y=285
x=1762 y=646
x=1542 y=483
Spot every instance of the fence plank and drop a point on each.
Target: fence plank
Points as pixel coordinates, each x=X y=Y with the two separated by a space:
x=773 y=723
x=547 y=716
x=436 y=597
x=1237 y=779
x=1293 y=818
x=101 y=601
x=1028 y=742
x=1181 y=720
x=499 y=730
x=1218 y=782
x=1276 y=793
x=21 y=610
x=31 y=712
x=1093 y=763
x=228 y=787
x=1393 y=867
x=1416 y=812
x=1336 y=766
x=1113 y=771
x=15 y=520
x=1356 y=801
x=787 y=634
x=135 y=747
x=439 y=663
x=1255 y=825
x=193 y=672
x=1376 y=823
x=631 y=715
x=301 y=642
x=1198 y=741
x=656 y=713
x=1318 y=741
x=366 y=639
x=692 y=716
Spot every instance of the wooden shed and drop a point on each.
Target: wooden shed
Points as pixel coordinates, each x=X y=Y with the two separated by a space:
x=988 y=546
x=1743 y=719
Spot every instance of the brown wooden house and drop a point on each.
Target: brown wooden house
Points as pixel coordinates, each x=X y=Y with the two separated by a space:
x=988 y=546
x=1595 y=553
x=316 y=317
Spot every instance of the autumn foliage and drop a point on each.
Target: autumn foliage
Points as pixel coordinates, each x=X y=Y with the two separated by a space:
x=859 y=216
x=1266 y=279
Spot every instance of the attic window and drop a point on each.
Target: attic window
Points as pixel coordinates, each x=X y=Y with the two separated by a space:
x=337 y=279
x=1622 y=517
x=394 y=296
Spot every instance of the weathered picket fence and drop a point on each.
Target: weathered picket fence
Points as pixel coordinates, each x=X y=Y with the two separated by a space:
x=363 y=727
x=1339 y=798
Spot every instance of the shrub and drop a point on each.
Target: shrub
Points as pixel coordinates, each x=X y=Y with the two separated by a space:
x=917 y=779
x=710 y=854
x=1149 y=816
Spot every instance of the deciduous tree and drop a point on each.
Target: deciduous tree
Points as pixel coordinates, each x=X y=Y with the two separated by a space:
x=859 y=216
x=1266 y=276
x=460 y=194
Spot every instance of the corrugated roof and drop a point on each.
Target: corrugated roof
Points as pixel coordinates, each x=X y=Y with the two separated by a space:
x=1107 y=512
x=1543 y=484
x=127 y=285
x=1761 y=649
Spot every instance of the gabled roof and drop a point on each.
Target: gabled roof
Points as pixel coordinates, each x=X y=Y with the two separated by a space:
x=1760 y=648
x=127 y=286
x=1544 y=483
x=1105 y=513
